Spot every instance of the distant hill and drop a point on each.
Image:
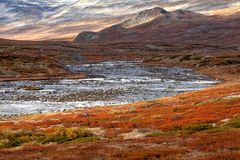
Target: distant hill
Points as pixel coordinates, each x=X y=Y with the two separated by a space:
x=178 y=26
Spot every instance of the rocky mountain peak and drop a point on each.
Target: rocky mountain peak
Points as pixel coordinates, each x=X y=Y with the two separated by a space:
x=145 y=16
x=152 y=12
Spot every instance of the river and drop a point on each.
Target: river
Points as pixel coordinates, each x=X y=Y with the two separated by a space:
x=108 y=83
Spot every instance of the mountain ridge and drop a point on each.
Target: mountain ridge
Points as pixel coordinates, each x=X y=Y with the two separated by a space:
x=139 y=20
x=170 y=27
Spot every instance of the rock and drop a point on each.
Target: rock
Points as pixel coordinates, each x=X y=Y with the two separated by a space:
x=225 y=120
x=85 y=114
x=86 y=36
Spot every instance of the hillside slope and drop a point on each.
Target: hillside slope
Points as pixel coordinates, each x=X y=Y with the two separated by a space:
x=159 y=25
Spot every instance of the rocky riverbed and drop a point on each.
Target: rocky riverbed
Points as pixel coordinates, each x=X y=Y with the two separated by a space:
x=108 y=83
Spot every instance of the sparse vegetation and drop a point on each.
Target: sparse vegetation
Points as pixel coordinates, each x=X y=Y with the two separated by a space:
x=186 y=58
x=196 y=58
x=235 y=122
x=13 y=138
x=198 y=127
x=163 y=134
x=126 y=111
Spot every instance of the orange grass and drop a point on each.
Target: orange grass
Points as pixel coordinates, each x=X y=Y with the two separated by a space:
x=206 y=106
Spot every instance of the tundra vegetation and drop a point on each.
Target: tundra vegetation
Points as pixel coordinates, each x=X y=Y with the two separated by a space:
x=199 y=125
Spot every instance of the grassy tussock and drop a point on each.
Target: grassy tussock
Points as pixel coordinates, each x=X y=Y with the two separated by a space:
x=11 y=138
x=235 y=122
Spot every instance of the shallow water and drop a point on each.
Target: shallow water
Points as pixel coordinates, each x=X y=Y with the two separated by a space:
x=109 y=83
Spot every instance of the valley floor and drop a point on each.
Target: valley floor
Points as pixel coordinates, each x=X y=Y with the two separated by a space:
x=198 y=125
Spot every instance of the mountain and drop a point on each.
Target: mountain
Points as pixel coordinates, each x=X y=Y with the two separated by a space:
x=144 y=22
x=64 y=19
x=144 y=17
x=177 y=26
